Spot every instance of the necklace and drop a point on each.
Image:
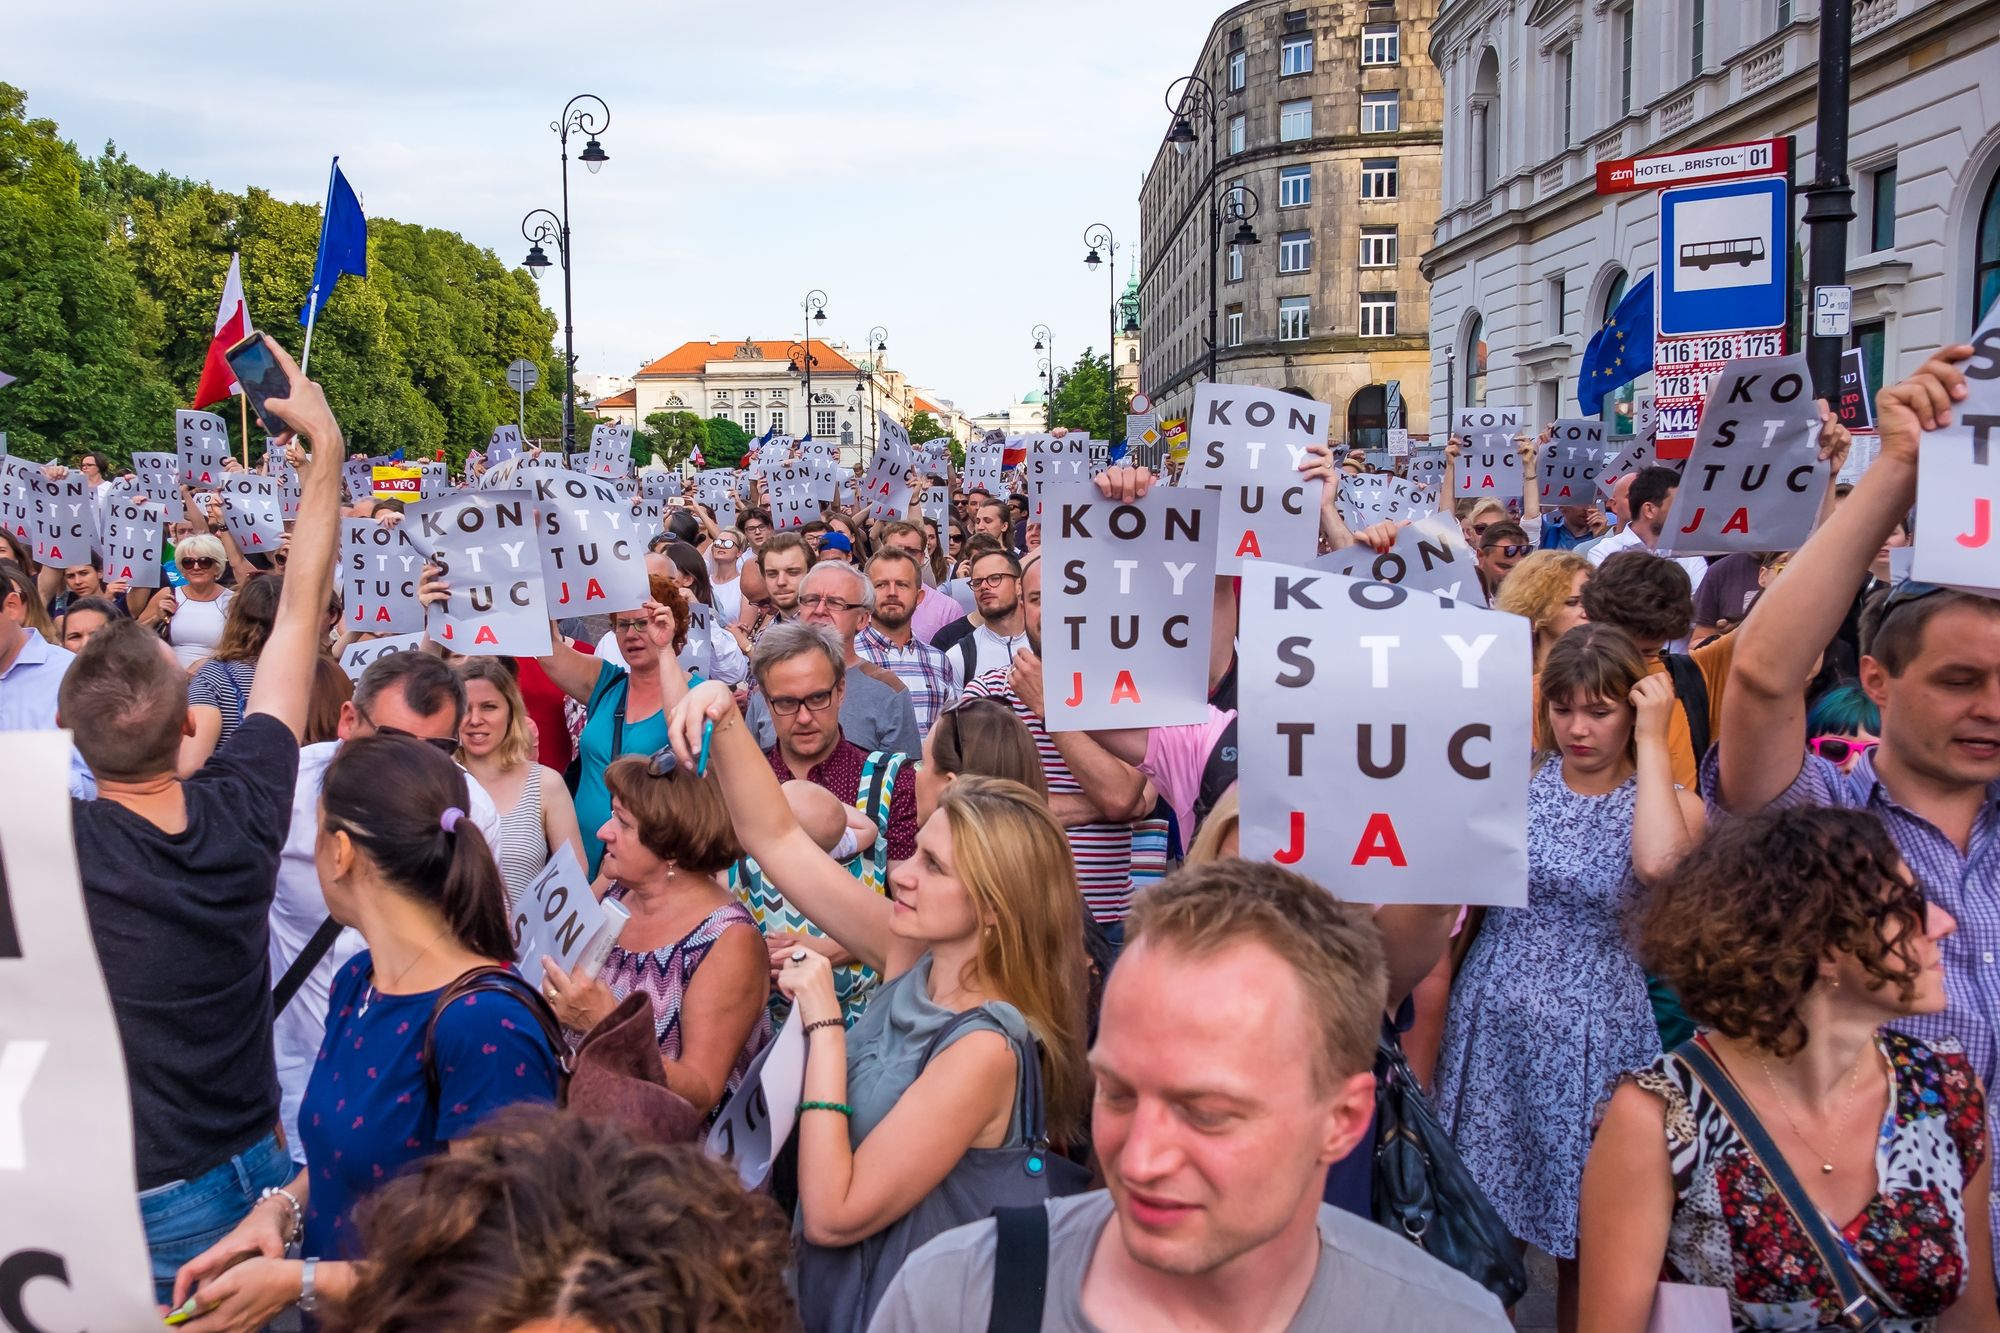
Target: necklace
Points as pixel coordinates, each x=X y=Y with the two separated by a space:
x=1846 y=1110
x=369 y=998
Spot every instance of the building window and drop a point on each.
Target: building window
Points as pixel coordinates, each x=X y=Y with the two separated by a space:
x=1380 y=113
x=1236 y=134
x=1784 y=13
x=1232 y=326
x=775 y=395
x=1882 y=209
x=1233 y=266
x=722 y=395
x=749 y=395
x=1295 y=120
x=1295 y=56
x=1566 y=72
x=1378 y=247
x=1294 y=319
x=1380 y=44
x=823 y=421
x=1378 y=315
x=1986 y=255
x=749 y=421
x=1697 y=37
x=1295 y=187
x=777 y=422
x=1378 y=178
x=1625 y=61
x=1872 y=339
x=1295 y=252
x=1475 y=363
x=1554 y=298
x=1236 y=71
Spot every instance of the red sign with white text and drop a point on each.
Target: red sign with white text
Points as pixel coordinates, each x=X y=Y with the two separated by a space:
x=1726 y=162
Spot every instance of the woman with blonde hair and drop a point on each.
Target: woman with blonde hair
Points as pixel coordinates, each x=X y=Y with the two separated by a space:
x=195 y=613
x=978 y=1027
x=1547 y=590
x=495 y=746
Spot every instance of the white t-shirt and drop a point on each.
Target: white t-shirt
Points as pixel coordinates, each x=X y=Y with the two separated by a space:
x=296 y=912
x=1628 y=540
x=728 y=600
x=197 y=627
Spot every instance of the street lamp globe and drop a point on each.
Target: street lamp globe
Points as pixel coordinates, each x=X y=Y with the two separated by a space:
x=819 y=316
x=594 y=156
x=1244 y=235
x=1091 y=261
x=537 y=261
x=1181 y=136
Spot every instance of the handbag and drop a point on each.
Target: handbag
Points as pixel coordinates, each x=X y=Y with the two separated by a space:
x=618 y=1078
x=1421 y=1189
x=1859 y=1312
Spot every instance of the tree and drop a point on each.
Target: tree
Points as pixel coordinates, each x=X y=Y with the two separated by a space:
x=925 y=427
x=727 y=442
x=674 y=436
x=1083 y=400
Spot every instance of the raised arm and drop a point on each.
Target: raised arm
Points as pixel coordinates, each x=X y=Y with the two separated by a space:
x=1764 y=712
x=1666 y=820
x=285 y=670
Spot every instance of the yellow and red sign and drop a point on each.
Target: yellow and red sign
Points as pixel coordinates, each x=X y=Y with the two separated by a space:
x=392 y=482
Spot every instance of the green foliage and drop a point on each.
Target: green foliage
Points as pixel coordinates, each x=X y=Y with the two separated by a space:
x=674 y=436
x=1083 y=399
x=727 y=443
x=110 y=277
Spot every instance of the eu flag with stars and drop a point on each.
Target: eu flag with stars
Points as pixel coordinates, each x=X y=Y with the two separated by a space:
x=1619 y=352
x=343 y=244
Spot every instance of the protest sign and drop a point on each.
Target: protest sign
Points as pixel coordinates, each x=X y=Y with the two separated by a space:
x=698 y=653
x=1570 y=462
x=433 y=479
x=1645 y=414
x=362 y=652
x=1399 y=442
x=885 y=488
x=1630 y=453
x=253 y=511
x=1853 y=407
x=1427 y=468
x=1414 y=790
x=379 y=569
x=65 y=531
x=647 y=516
x=792 y=501
x=484 y=546
x=1373 y=497
x=17 y=498
x=593 y=552
x=1958 y=479
x=1429 y=555
x=1490 y=461
x=503 y=444
x=657 y=484
x=72 y=1247
x=133 y=530
x=756 y=1122
x=291 y=492
x=1058 y=460
x=160 y=480
x=1128 y=593
x=556 y=916
x=394 y=481
x=202 y=445
x=356 y=479
x=1753 y=481
x=936 y=504
x=610 y=450
x=1248 y=445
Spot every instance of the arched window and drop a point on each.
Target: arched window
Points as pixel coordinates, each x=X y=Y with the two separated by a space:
x=1617 y=410
x=1485 y=126
x=1368 y=418
x=1475 y=363
x=1986 y=254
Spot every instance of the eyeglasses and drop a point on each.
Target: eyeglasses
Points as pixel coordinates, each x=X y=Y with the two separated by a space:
x=812 y=703
x=990 y=580
x=721 y=544
x=199 y=562
x=1509 y=550
x=629 y=626
x=833 y=604
x=445 y=745
x=1839 y=749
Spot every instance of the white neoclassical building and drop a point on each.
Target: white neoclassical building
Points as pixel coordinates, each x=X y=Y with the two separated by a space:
x=1528 y=260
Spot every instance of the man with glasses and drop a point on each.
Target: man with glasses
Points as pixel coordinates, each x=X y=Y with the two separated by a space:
x=876 y=712
x=404 y=694
x=987 y=639
x=756 y=526
x=1932 y=666
x=1501 y=547
x=890 y=641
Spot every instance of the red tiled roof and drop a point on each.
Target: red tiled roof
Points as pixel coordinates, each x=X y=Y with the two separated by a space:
x=630 y=398
x=926 y=405
x=690 y=357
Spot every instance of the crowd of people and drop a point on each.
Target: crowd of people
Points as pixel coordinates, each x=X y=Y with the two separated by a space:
x=1070 y=1062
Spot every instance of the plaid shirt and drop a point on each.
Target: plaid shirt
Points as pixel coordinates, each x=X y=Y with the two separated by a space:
x=1966 y=884
x=929 y=673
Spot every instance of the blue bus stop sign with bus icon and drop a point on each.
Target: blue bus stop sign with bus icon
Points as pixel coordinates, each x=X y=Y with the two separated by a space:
x=1724 y=257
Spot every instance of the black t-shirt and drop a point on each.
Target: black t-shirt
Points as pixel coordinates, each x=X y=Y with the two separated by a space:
x=181 y=923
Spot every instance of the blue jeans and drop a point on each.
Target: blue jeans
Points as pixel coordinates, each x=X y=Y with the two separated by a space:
x=187 y=1216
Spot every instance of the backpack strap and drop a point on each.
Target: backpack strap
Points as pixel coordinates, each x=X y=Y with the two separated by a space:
x=302 y=966
x=1020 y=1269
x=1218 y=772
x=492 y=979
x=875 y=798
x=1691 y=687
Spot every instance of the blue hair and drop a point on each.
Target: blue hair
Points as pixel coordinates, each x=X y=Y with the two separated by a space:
x=1844 y=710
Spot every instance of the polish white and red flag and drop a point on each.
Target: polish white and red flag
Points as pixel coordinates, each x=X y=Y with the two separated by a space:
x=232 y=325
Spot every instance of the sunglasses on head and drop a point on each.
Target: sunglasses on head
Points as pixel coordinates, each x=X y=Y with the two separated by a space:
x=1839 y=749
x=1906 y=592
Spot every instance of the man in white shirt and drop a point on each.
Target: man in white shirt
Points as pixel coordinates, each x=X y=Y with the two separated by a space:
x=1650 y=497
x=32 y=671
x=409 y=694
x=987 y=640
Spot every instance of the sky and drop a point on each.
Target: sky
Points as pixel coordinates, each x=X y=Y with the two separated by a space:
x=932 y=167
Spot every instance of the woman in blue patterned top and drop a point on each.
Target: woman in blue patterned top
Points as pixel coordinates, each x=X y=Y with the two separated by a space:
x=398 y=861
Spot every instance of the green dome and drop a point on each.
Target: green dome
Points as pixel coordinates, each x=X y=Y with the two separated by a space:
x=1032 y=396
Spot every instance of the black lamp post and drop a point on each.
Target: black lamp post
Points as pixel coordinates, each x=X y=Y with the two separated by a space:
x=1046 y=342
x=1191 y=98
x=1237 y=204
x=549 y=227
x=878 y=343
x=815 y=307
x=1098 y=237
x=802 y=360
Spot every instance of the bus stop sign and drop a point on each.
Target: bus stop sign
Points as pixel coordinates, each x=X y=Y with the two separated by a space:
x=1723 y=257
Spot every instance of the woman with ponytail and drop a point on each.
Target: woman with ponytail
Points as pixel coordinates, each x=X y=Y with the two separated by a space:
x=411 y=1061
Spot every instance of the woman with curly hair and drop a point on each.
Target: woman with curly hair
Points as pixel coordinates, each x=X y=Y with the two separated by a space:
x=555 y=1222
x=1794 y=936
x=1550 y=1008
x=1546 y=589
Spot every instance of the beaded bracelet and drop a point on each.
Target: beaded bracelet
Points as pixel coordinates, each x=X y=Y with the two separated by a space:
x=824 y=1023
x=841 y=1107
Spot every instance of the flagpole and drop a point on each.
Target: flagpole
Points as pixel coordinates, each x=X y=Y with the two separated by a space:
x=243 y=405
x=312 y=303
x=312 y=317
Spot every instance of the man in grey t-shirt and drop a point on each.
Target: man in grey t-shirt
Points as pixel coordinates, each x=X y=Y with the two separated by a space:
x=1234 y=1065
x=877 y=712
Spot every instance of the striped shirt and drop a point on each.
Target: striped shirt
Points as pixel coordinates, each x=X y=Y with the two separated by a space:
x=1103 y=852
x=930 y=675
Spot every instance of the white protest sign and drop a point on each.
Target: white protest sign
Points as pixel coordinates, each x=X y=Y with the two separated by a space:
x=593 y=552
x=1427 y=468
x=72 y=1247
x=17 y=498
x=379 y=569
x=1629 y=454
x=793 y=502
x=1490 y=464
x=1399 y=442
x=1753 y=481
x=291 y=491
x=886 y=487
x=1055 y=460
x=936 y=503
x=133 y=530
x=65 y=518
x=1958 y=479
x=503 y=444
x=698 y=653
x=1372 y=497
x=253 y=511
x=160 y=479
x=755 y=1123
x=1127 y=595
x=434 y=478
x=357 y=476
x=360 y=654
x=484 y=545
x=1645 y=414
x=1383 y=746
x=202 y=444
x=1571 y=460
x=557 y=916
x=610 y=449
x=1429 y=555
x=1248 y=444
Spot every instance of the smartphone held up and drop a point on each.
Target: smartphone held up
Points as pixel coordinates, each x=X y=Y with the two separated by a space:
x=261 y=378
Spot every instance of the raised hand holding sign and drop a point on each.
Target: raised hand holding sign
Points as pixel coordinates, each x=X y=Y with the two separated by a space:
x=1753 y=481
x=1248 y=444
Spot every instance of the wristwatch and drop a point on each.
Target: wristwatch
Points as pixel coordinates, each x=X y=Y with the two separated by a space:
x=308 y=1295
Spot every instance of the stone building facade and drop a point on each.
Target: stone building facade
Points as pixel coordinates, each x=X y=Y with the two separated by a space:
x=1330 y=117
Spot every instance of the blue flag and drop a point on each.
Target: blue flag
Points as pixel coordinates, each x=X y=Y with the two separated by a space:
x=765 y=438
x=1619 y=352
x=343 y=244
x=397 y=457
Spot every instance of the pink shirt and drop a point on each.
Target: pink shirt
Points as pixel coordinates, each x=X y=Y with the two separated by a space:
x=1175 y=757
x=934 y=611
